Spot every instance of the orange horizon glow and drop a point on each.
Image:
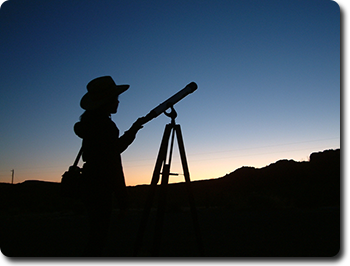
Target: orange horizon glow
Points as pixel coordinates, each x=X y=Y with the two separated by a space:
x=200 y=169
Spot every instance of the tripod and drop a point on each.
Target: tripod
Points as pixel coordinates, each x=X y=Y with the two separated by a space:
x=163 y=168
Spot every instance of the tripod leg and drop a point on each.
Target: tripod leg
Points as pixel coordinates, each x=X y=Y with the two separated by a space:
x=161 y=210
x=162 y=198
x=189 y=190
x=155 y=179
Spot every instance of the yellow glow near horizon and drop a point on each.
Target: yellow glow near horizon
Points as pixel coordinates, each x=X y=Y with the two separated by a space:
x=200 y=167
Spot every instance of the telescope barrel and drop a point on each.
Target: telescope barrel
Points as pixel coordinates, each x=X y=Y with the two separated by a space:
x=191 y=87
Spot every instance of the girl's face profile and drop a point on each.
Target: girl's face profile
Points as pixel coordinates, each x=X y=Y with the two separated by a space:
x=112 y=106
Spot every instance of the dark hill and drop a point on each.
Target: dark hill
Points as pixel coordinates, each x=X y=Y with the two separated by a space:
x=283 y=184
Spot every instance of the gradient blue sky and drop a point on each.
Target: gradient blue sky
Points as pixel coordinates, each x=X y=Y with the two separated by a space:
x=268 y=75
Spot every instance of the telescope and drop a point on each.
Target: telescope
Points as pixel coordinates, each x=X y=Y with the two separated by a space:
x=162 y=169
x=191 y=87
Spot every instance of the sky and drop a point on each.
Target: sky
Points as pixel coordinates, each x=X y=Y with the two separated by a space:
x=268 y=76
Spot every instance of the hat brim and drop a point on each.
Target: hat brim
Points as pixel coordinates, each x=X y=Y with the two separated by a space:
x=88 y=102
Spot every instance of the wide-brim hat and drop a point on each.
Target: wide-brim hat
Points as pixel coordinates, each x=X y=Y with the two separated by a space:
x=101 y=90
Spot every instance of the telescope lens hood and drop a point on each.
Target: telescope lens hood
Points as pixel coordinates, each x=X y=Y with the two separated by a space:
x=193 y=86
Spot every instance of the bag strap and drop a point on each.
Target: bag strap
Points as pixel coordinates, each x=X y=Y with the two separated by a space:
x=78 y=157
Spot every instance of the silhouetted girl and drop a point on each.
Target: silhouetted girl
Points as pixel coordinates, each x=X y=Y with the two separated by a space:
x=102 y=146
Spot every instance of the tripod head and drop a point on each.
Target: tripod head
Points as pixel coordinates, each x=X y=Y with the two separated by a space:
x=172 y=114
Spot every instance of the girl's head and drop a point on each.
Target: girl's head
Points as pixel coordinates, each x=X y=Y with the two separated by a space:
x=103 y=94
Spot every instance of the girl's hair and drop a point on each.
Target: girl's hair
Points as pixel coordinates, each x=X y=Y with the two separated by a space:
x=90 y=114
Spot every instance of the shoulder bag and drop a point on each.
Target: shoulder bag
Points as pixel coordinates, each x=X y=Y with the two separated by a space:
x=71 y=182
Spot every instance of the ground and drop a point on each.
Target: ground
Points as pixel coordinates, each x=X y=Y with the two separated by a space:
x=225 y=233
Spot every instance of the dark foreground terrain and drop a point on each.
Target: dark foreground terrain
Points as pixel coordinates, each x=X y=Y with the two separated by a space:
x=287 y=209
x=225 y=233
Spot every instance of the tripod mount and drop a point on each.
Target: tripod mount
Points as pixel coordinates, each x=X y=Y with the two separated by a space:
x=162 y=168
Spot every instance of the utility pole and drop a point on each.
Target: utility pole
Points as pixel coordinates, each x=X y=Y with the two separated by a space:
x=13 y=174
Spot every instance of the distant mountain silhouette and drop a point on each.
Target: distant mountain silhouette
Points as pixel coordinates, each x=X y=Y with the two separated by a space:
x=283 y=184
